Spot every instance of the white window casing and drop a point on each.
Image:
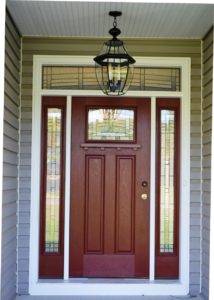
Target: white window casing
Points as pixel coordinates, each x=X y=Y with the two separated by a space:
x=84 y=286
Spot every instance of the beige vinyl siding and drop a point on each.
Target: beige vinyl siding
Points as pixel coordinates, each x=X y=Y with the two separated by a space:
x=10 y=160
x=206 y=159
x=80 y=46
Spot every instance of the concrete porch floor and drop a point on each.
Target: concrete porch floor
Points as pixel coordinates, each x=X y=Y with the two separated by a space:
x=107 y=297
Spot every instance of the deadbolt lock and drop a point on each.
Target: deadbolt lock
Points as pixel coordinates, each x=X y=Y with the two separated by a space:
x=144 y=196
x=144 y=183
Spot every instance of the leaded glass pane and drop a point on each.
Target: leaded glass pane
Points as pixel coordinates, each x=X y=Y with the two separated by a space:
x=167 y=181
x=84 y=78
x=54 y=131
x=110 y=124
x=156 y=79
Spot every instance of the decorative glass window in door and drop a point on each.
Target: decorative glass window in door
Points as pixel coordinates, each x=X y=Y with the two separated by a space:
x=111 y=124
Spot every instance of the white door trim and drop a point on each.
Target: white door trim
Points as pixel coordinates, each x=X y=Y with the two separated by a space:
x=84 y=287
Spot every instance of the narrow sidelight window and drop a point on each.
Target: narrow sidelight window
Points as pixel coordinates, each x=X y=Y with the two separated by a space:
x=167 y=174
x=167 y=196
x=52 y=187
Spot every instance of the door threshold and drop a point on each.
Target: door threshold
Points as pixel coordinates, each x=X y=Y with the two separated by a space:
x=28 y=297
x=107 y=287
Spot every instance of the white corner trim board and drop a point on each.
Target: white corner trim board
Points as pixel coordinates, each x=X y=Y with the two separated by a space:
x=2 y=52
x=110 y=287
x=211 y=279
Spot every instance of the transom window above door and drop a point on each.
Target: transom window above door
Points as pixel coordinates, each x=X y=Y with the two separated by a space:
x=84 y=78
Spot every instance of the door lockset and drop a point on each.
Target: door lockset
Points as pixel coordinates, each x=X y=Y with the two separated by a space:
x=144 y=183
x=144 y=196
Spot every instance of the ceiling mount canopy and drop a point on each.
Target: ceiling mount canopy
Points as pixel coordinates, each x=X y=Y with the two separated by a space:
x=114 y=66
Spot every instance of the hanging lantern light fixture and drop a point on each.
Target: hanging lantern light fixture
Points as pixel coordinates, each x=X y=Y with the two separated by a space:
x=114 y=66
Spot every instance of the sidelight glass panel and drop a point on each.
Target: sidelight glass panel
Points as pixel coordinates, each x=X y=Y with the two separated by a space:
x=107 y=124
x=167 y=181
x=53 y=175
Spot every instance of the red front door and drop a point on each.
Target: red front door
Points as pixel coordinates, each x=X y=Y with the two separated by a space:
x=110 y=170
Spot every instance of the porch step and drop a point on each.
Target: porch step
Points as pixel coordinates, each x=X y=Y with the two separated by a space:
x=26 y=297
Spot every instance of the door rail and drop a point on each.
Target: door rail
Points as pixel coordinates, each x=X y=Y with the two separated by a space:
x=103 y=146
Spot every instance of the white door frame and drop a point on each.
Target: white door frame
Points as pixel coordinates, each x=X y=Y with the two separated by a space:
x=106 y=287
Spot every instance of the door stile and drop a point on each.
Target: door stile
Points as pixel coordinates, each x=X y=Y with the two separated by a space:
x=77 y=166
x=67 y=187
x=143 y=205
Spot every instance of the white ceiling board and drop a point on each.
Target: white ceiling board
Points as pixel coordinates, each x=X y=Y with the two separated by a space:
x=91 y=19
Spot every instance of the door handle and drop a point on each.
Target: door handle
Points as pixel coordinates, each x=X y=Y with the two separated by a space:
x=144 y=196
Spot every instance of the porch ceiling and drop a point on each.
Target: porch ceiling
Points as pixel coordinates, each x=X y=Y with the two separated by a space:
x=90 y=19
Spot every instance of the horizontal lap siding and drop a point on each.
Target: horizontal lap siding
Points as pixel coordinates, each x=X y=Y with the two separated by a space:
x=10 y=160
x=206 y=161
x=144 y=47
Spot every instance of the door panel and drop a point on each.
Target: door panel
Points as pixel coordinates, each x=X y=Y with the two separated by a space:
x=125 y=204
x=94 y=204
x=109 y=220
x=109 y=265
